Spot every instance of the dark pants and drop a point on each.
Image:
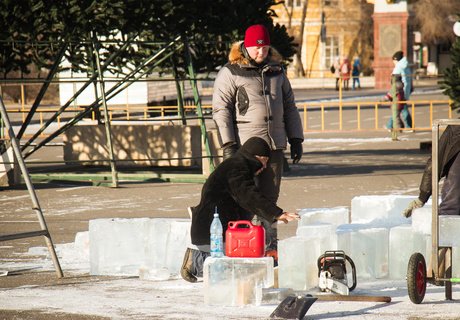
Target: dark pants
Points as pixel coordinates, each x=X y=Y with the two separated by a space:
x=356 y=81
x=198 y=258
x=269 y=183
x=450 y=195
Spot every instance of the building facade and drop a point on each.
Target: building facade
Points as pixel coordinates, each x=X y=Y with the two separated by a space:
x=326 y=29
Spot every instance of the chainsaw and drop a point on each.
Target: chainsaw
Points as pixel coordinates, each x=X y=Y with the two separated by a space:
x=332 y=272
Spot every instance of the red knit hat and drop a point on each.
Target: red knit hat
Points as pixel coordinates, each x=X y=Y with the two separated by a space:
x=256 y=36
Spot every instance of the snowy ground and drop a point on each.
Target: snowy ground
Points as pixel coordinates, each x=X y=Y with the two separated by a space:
x=134 y=298
x=347 y=167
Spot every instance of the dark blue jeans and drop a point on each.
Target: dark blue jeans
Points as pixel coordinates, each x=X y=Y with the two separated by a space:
x=198 y=258
x=405 y=117
x=356 y=81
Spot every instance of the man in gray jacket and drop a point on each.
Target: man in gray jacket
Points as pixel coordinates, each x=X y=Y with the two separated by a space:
x=253 y=98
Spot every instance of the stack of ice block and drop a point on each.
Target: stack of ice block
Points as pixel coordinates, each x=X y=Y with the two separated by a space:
x=379 y=239
x=378 y=210
x=404 y=242
x=323 y=231
x=297 y=262
x=321 y=223
x=166 y=243
x=236 y=281
x=297 y=256
x=124 y=246
x=421 y=220
x=335 y=216
x=117 y=245
x=449 y=227
x=367 y=246
x=448 y=233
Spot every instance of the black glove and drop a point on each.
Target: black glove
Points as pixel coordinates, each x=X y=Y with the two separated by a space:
x=296 y=149
x=230 y=150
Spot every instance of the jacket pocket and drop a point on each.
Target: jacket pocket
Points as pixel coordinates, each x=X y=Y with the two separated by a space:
x=243 y=101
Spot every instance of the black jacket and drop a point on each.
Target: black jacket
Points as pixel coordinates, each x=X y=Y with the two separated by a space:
x=449 y=147
x=231 y=187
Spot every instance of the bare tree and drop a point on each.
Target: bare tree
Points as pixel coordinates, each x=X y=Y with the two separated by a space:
x=299 y=70
x=289 y=11
x=434 y=19
x=363 y=42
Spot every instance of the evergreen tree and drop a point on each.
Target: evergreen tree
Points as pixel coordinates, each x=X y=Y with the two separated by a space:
x=31 y=31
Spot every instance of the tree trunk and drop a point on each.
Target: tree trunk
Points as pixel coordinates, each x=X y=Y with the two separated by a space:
x=299 y=70
x=289 y=12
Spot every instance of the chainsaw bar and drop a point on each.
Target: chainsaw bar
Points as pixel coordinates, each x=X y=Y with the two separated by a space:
x=326 y=283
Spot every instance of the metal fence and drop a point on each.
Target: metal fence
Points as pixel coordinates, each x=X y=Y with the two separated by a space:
x=316 y=116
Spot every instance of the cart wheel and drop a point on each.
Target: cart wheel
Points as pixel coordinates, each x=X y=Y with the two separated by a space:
x=416 y=278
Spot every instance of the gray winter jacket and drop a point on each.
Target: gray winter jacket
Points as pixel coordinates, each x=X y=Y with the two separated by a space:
x=251 y=101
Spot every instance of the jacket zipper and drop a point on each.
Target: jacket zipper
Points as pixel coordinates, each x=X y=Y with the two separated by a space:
x=267 y=107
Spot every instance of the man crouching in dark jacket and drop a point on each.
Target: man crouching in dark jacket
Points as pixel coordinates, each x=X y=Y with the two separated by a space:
x=232 y=189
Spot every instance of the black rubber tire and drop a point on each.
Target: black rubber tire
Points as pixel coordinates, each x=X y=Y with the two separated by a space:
x=416 y=278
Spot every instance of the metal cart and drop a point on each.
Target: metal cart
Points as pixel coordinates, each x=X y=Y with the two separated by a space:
x=417 y=273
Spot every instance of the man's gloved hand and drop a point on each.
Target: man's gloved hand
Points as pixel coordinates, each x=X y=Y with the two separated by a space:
x=286 y=217
x=413 y=205
x=296 y=149
x=230 y=150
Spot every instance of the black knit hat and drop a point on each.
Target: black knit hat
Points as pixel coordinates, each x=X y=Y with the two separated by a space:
x=398 y=55
x=256 y=146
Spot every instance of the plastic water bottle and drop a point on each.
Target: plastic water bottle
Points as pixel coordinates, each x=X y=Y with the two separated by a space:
x=217 y=239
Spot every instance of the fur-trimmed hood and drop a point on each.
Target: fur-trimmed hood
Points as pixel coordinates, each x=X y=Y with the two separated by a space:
x=236 y=55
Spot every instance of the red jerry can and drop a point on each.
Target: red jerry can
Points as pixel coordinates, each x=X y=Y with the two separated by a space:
x=244 y=240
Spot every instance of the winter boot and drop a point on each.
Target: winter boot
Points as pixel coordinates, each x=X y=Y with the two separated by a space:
x=186 y=270
x=274 y=255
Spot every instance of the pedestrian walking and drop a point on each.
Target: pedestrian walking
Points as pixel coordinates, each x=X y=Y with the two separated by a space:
x=355 y=72
x=335 y=69
x=396 y=93
x=345 y=71
x=402 y=68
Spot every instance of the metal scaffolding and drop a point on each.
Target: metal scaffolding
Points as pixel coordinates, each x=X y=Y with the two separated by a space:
x=33 y=196
x=102 y=95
